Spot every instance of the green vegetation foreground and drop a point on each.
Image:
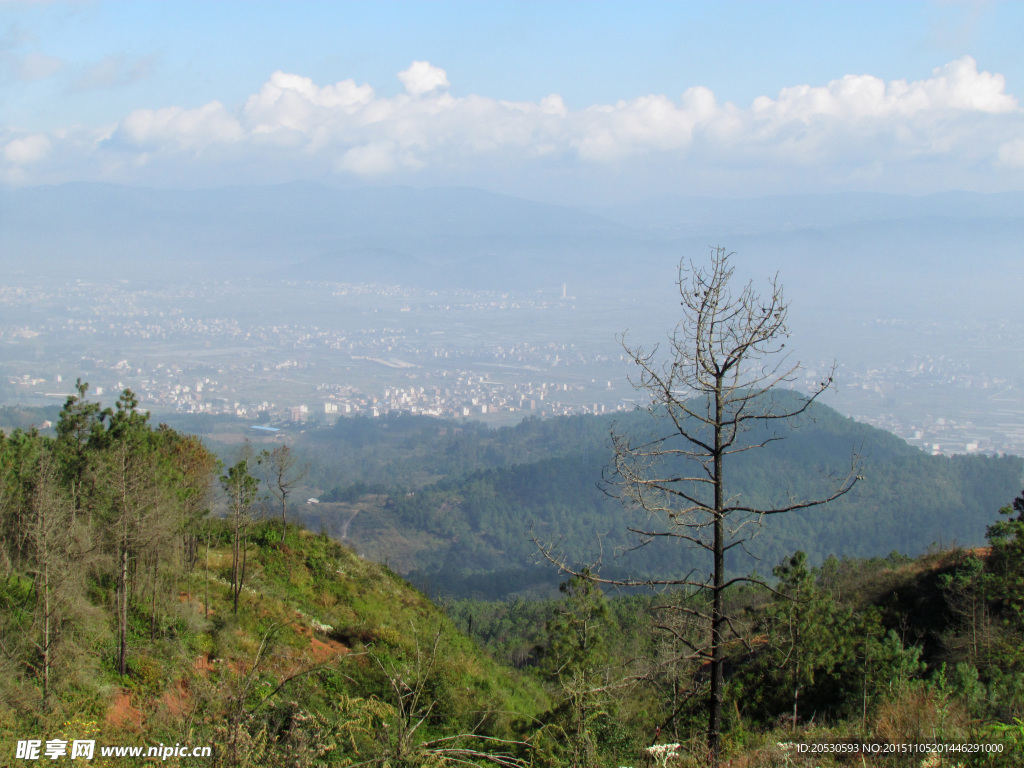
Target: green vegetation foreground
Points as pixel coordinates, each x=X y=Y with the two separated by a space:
x=131 y=615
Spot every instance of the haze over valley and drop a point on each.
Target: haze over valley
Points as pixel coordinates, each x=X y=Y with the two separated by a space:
x=303 y=303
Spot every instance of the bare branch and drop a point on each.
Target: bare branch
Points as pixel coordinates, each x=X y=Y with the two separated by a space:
x=727 y=359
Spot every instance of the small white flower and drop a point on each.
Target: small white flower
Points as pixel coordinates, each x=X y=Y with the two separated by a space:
x=662 y=753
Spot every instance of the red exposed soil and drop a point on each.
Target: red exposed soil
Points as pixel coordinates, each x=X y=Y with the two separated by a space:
x=323 y=650
x=203 y=665
x=177 y=698
x=122 y=714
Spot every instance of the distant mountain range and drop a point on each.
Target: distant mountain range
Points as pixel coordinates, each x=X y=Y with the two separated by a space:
x=871 y=246
x=383 y=234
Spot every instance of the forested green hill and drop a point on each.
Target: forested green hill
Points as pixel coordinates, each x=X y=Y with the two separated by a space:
x=453 y=504
x=143 y=603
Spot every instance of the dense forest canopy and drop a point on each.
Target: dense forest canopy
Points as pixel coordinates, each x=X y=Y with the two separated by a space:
x=425 y=494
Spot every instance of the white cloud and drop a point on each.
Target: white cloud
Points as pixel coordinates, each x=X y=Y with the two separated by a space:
x=176 y=128
x=368 y=160
x=296 y=103
x=857 y=127
x=1011 y=153
x=422 y=78
x=30 y=149
x=649 y=123
x=956 y=86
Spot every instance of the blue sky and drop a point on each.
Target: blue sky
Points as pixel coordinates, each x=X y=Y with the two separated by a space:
x=579 y=101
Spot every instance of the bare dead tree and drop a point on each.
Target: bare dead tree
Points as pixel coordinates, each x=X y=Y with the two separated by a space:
x=140 y=520
x=715 y=394
x=51 y=537
x=282 y=472
x=60 y=550
x=241 y=490
x=240 y=687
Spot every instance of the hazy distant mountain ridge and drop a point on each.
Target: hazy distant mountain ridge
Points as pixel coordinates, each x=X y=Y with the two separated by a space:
x=290 y=224
x=462 y=236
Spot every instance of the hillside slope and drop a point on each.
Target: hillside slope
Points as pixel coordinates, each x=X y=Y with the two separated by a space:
x=461 y=495
x=315 y=668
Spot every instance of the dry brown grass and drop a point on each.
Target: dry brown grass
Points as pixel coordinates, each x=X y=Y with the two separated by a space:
x=915 y=715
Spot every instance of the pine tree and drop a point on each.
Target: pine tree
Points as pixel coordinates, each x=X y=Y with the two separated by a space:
x=576 y=663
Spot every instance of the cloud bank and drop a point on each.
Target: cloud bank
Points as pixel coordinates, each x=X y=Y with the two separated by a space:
x=958 y=127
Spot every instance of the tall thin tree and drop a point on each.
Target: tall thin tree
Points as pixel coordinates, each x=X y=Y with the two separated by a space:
x=282 y=472
x=717 y=393
x=242 y=491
